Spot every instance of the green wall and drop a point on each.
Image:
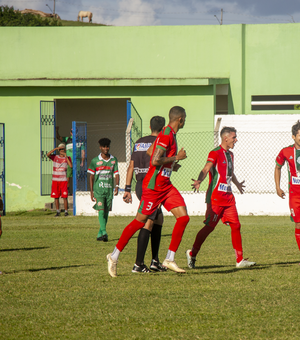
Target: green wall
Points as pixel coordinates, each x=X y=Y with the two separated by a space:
x=157 y=67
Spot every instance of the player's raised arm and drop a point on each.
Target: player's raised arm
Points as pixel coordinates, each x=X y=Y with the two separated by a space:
x=277 y=177
x=239 y=185
x=150 y=150
x=158 y=159
x=201 y=177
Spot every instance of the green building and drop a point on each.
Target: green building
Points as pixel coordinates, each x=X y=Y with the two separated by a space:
x=89 y=74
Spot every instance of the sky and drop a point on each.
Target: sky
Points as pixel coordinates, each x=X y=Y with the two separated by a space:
x=170 y=12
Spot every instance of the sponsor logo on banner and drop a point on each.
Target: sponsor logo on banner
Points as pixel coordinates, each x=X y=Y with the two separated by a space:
x=224 y=187
x=166 y=172
x=296 y=180
x=142 y=146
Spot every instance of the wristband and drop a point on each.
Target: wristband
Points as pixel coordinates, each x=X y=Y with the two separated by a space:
x=117 y=185
x=127 y=188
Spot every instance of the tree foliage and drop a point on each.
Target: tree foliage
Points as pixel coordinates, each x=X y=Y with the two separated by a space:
x=10 y=17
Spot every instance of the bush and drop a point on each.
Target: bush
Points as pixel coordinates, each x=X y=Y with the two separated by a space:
x=10 y=17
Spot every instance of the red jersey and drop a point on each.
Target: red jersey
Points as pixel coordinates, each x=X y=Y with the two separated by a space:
x=158 y=177
x=60 y=166
x=292 y=156
x=220 y=175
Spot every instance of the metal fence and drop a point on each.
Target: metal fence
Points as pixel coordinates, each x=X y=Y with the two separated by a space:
x=254 y=157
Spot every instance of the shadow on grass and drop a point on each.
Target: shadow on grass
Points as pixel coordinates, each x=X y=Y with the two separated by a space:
x=26 y=249
x=49 y=268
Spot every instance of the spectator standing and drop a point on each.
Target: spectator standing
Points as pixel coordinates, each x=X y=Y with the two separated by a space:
x=59 y=176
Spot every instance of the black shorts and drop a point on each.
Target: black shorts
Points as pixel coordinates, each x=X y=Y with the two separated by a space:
x=138 y=191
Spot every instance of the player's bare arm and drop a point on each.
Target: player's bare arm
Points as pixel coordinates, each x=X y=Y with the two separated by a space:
x=127 y=198
x=117 y=181
x=158 y=159
x=176 y=166
x=51 y=152
x=91 y=187
x=277 y=177
x=82 y=157
x=58 y=136
x=201 y=177
x=150 y=150
x=239 y=185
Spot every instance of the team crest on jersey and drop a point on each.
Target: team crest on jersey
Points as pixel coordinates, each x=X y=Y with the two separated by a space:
x=99 y=204
x=113 y=162
x=142 y=146
x=291 y=157
x=99 y=163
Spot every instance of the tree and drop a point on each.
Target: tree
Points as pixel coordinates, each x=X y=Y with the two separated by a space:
x=10 y=17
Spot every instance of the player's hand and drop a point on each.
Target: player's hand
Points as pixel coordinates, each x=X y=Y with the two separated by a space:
x=241 y=187
x=196 y=185
x=127 y=198
x=81 y=164
x=92 y=197
x=181 y=155
x=116 y=190
x=176 y=166
x=280 y=193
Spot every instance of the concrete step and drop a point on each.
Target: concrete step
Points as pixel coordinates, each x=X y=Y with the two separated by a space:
x=51 y=205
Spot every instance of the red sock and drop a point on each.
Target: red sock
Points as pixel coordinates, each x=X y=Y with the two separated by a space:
x=236 y=240
x=128 y=232
x=178 y=231
x=200 y=238
x=297 y=235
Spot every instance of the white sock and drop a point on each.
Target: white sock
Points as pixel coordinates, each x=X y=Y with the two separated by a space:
x=115 y=254
x=170 y=255
x=58 y=211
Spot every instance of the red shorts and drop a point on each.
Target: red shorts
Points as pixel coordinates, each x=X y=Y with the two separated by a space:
x=295 y=208
x=170 y=199
x=215 y=213
x=59 y=189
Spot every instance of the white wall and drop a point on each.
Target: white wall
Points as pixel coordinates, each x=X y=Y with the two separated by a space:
x=260 y=138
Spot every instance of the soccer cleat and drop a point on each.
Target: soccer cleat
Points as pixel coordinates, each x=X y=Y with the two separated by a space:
x=104 y=238
x=66 y=213
x=140 y=269
x=172 y=266
x=112 y=266
x=57 y=214
x=190 y=260
x=245 y=264
x=100 y=238
x=157 y=266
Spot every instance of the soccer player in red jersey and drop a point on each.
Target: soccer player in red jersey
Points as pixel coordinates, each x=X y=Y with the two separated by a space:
x=158 y=189
x=219 y=198
x=291 y=155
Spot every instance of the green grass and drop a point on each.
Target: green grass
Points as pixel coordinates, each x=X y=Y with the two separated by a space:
x=55 y=283
x=78 y=23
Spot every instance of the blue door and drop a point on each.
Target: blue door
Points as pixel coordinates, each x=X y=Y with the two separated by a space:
x=47 y=126
x=79 y=159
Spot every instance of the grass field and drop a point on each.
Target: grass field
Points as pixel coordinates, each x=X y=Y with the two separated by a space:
x=55 y=283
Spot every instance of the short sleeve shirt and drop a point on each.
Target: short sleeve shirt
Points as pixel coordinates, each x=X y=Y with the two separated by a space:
x=104 y=172
x=69 y=147
x=140 y=158
x=60 y=166
x=220 y=176
x=292 y=156
x=158 y=177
